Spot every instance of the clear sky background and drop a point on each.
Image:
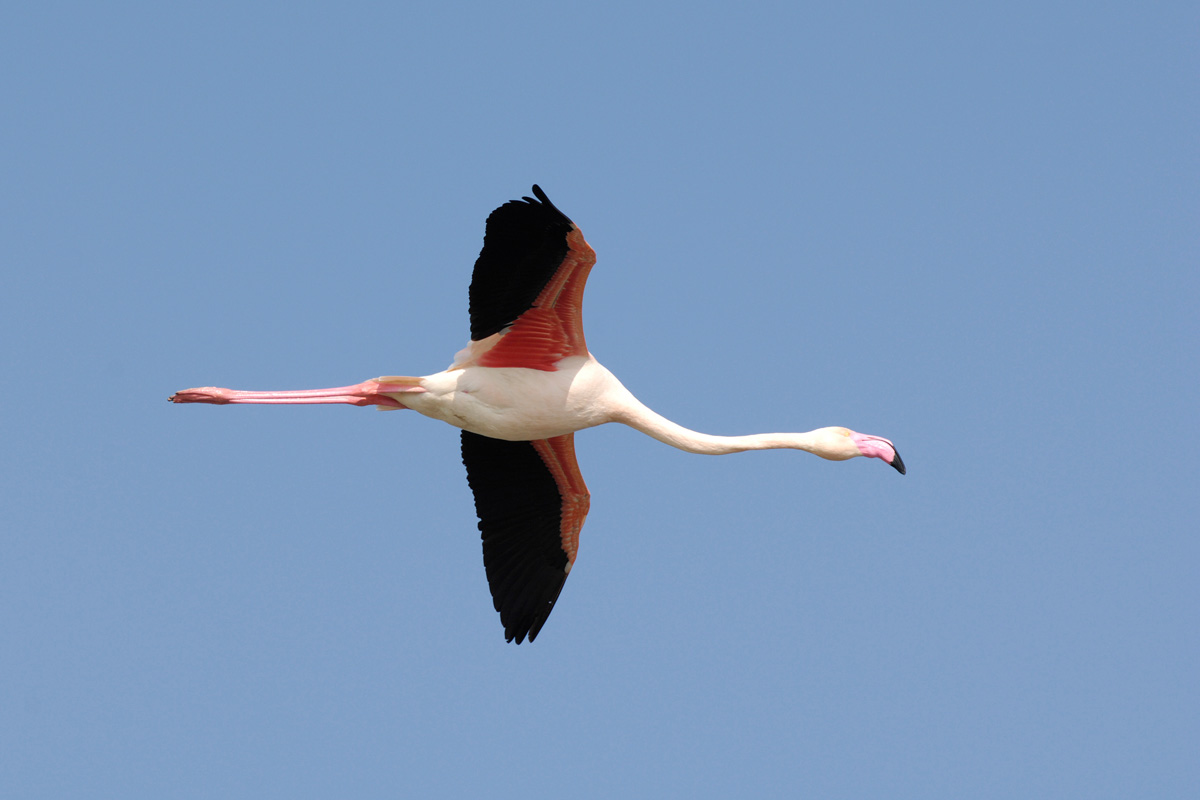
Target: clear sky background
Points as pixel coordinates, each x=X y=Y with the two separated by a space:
x=973 y=231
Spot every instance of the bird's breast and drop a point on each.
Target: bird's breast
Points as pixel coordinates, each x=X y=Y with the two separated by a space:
x=518 y=404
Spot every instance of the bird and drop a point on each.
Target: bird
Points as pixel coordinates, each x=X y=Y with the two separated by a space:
x=519 y=391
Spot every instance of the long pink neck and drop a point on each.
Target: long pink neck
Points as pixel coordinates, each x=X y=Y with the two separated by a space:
x=638 y=416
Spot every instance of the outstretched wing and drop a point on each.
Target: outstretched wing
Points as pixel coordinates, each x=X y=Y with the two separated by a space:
x=531 y=501
x=527 y=287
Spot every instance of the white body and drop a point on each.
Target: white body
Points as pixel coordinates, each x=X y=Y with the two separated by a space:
x=521 y=404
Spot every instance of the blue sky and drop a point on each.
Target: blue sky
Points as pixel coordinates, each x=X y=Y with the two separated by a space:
x=970 y=230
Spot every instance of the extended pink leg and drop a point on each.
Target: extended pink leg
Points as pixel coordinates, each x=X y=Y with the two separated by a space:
x=367 y=393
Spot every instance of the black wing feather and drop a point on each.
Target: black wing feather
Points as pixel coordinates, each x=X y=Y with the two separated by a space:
x=520 y=517
x=524 y=244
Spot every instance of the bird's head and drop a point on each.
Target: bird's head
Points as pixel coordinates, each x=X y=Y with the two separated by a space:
x=838 y=444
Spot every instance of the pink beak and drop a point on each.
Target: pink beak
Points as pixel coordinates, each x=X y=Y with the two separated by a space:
x=878 y=447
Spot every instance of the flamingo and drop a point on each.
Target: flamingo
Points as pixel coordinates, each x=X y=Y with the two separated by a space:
x=519 y=391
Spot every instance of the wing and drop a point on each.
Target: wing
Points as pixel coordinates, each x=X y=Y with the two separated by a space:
x=531 y=502
x=527 y=287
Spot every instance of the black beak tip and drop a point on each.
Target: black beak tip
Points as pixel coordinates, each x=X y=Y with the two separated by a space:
x=898 y=463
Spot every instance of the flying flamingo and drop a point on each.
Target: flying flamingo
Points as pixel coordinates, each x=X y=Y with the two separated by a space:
x=519 y=391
